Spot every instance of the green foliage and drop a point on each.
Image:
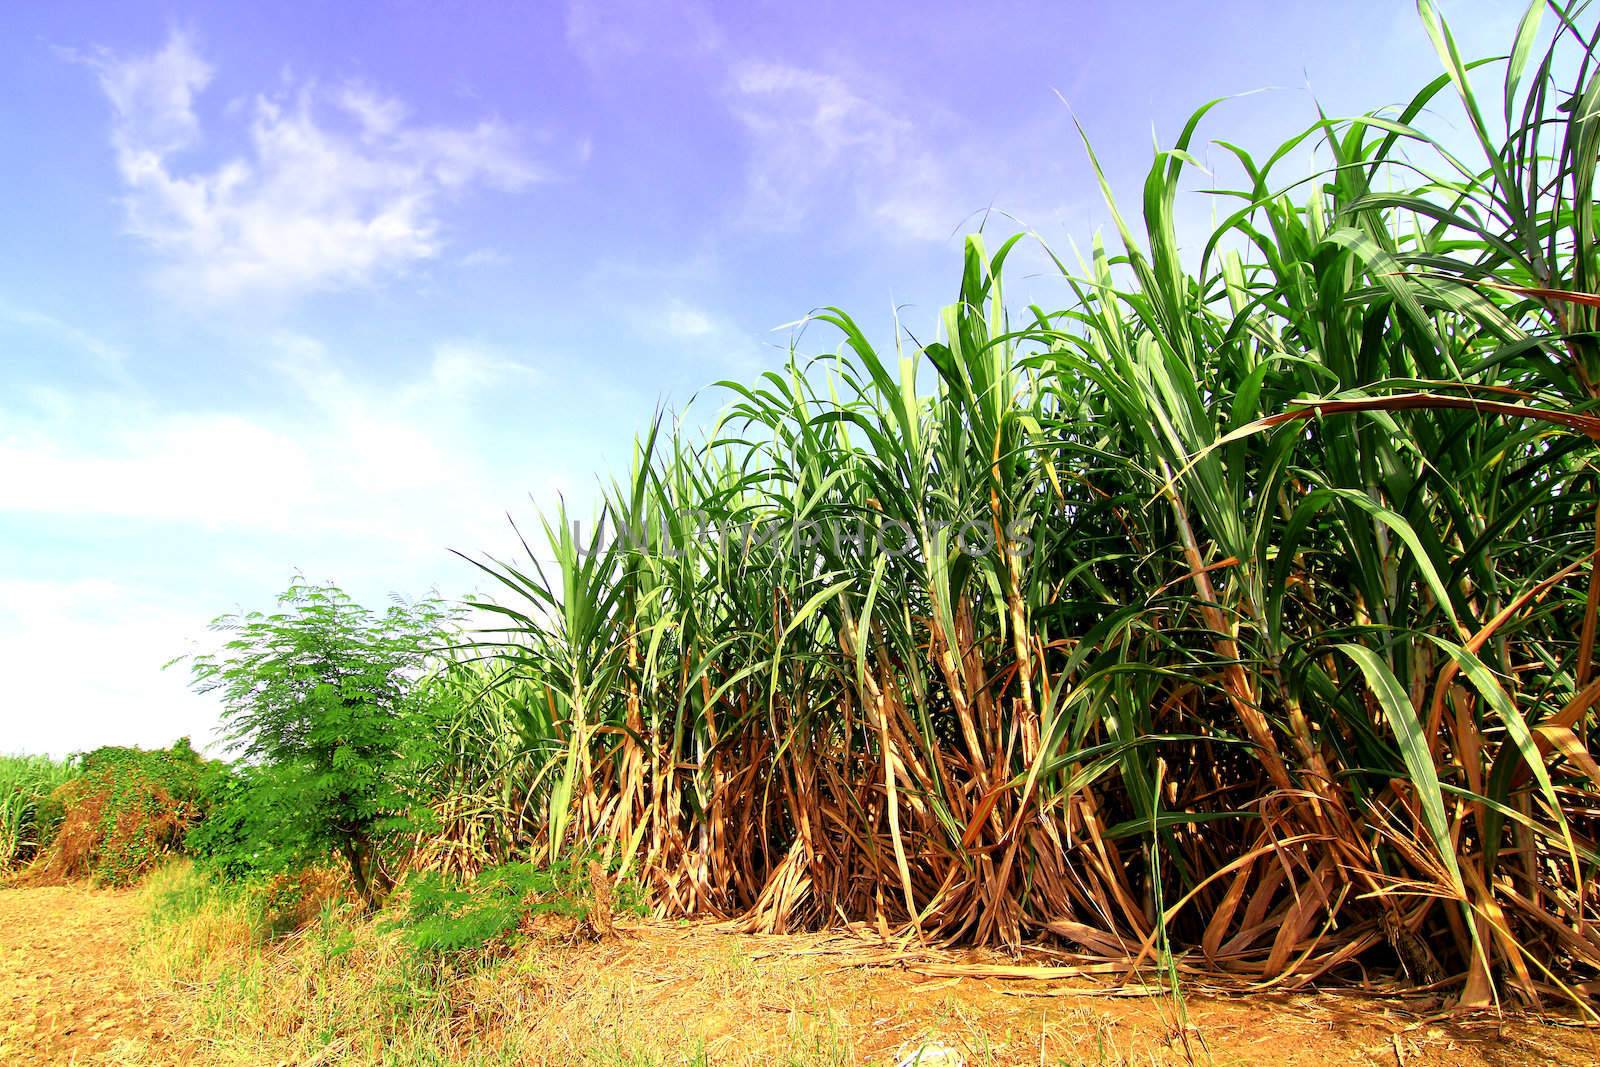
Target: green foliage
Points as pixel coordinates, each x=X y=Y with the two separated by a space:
x=257 y=825
x=324 y=700
x=260 y=824
x=28 y=819
x=220 y=843
x=446 y=916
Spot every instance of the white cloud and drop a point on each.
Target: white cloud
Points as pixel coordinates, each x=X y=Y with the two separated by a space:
x=110 y=357
x=808 y=128
x=705 y=341
x=153 y=98
x=682 y=320
x=83 y=658
x=130 y=524
x=485 y=257
x=337 y=189
x=347 y=458
x=814 y=137
x=459 y=367
x=207 y=469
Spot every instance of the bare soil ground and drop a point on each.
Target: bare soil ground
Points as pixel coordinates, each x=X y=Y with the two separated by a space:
x=66 y=991
x=67 y=996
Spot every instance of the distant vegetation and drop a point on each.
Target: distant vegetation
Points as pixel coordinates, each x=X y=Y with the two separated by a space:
x=27 y=818
x=126 y=808
x=111 y=814
x=1236 y=618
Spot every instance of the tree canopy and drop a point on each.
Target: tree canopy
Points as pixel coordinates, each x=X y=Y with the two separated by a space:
x=324 y=701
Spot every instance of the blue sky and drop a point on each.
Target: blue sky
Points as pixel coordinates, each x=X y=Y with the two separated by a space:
x=310 y=287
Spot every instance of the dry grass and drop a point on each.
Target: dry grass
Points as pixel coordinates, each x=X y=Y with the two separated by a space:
x=347 y=990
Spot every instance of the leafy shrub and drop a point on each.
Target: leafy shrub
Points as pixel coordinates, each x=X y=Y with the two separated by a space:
x=125 y=809
x=446 y=916
x=221 y=843
x=256 y=829
x=327 y=701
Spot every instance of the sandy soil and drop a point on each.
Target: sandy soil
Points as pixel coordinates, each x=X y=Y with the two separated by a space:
x=66 y=992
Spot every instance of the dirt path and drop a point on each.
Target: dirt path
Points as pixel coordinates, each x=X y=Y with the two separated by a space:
x=67 y=994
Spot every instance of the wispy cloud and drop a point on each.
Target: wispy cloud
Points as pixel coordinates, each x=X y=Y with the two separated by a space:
x=485 y=257
x=814 y=138
x=396 y=463
x=339 y=187
x=814 y=135
x=682 y=320
x=603 y=32
x=110 y=357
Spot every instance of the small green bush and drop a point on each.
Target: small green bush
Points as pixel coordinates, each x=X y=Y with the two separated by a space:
x=225 y=843
x=443 y=916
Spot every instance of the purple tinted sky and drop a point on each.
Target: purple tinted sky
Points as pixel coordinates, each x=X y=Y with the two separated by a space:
x=307 y=285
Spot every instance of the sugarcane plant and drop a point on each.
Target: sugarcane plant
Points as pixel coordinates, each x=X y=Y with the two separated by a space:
x=1239 y=617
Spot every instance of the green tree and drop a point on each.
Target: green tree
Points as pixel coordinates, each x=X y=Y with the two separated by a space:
x=325 y=702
